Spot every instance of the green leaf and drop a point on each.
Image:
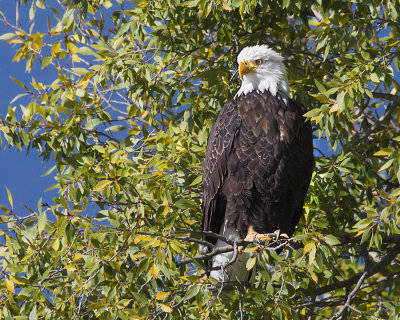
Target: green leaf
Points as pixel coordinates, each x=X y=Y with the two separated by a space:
x=80 y=71
x=331 y=240
x=42 y=221
x=362 y=224
x=311 y=257
x=19 y=83
x=285 y=3
x=386 y=165
x=369 y=93
x=236 y=3
x=340 y=101
x=102 y=185
x=7 y=36
x=312 y=113
x=86 y=51
x=92 y=123
x=116 y=128
x=49 y=171
x=196 y=181
x=185 y=204
x=375 y=78
x=320 y=86
x=32 y=314
x=97 y=305
x=193 y=291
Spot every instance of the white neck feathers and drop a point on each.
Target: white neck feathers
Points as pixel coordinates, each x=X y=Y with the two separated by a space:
x=272 y=80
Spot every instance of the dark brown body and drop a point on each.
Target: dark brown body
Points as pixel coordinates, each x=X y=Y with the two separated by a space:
x=258 y=165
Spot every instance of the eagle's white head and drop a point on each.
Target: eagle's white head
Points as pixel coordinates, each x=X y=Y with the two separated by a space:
x=261 y=69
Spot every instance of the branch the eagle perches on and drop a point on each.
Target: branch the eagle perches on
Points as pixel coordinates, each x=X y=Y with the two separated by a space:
x=293 y=244
x=276 y=244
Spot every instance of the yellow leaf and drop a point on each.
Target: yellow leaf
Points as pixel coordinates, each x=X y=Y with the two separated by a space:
x=144 y=115
x=314 y=277
x=154 y=271
x=145 y=238
x=308 y=247
x=56 y=244
x=360 y=233
x=193 y=279
x=70 y=267
x=161 y=295
x=83 y=83
x=10 y=198
x=15 y=41
x=9 y=285
x=6 y=211
x=36 y=46
x=334 y=108
x=72 y=48
x=78 y=256
x=384 y=152
x=55 y=48
x=15 y=280
x=251 y=262
x=251 y=249
x=165 y=211
x=166 y=307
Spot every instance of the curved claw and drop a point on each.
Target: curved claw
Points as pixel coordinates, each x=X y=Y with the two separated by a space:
x=253 y=235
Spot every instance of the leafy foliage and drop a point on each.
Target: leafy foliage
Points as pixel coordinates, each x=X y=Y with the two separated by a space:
x=135 y=89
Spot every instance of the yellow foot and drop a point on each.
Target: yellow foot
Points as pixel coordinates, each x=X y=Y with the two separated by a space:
x=263 y=237
x=252 y=235
x=281 y=235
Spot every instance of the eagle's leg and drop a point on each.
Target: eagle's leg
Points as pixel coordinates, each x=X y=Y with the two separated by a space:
x=251 y=235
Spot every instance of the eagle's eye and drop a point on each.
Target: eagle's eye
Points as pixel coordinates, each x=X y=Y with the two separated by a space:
x=259 y=61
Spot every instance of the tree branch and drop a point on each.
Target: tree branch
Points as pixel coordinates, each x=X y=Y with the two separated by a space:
x=387 y=96
x=386 y=260
x=350 y=238
x=211 y=254
x=350 y=296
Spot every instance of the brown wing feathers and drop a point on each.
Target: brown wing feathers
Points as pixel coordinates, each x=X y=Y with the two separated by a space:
x=258 y=165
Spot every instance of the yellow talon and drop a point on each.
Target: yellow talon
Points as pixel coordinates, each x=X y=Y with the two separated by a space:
x=252 y=235
x=281 y=235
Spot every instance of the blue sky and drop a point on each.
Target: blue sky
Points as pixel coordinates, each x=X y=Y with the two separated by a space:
x=19 y=172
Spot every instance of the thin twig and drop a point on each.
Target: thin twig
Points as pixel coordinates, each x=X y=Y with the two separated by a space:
x=350 y=296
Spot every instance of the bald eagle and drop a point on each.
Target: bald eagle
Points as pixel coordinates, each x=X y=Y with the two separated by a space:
x=258 y=162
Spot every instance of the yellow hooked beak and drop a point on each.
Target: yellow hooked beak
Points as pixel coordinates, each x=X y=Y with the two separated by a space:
x=246 y=67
